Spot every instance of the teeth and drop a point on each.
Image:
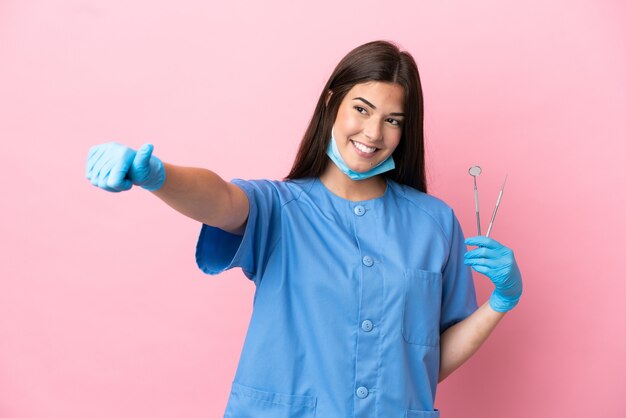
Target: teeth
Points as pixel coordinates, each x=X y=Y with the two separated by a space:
x=363 y=147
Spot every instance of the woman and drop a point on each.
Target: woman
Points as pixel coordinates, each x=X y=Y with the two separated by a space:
x=364 y=301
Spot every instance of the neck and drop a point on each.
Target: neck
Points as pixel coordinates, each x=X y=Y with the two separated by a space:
x=343 y=186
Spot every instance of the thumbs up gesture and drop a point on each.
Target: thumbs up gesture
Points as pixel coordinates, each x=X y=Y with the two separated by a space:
x=115 y=167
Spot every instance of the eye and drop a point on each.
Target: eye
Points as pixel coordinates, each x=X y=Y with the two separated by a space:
x=397 y=122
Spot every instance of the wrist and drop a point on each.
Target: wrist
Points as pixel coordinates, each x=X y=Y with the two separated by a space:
x=500 y=303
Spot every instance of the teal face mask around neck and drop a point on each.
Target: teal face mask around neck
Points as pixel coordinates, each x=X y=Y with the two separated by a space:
x=333 y=153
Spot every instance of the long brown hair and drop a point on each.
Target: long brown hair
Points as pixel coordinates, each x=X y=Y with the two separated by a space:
x=374 y=61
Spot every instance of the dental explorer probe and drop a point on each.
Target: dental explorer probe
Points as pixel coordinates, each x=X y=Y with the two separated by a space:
x=493 y=217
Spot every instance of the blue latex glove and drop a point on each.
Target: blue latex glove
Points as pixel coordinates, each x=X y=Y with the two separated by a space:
x=497 y=262
x=115 y=167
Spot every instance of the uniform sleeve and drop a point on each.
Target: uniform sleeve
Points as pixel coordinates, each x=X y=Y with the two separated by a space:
x=218 y=250
x=458 y=299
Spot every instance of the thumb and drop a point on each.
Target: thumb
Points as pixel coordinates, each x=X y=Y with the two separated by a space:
x=142 y=158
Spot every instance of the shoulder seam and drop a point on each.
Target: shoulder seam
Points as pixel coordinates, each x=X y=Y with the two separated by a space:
x=280 y=237
x=294 y=198
x=443 y=232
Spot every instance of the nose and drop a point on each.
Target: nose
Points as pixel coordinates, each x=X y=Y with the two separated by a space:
x=372 y=130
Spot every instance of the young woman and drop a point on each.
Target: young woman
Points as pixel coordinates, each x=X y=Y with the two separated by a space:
x=364 y=300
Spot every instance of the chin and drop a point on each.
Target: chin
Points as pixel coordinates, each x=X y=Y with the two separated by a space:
x=363 y=168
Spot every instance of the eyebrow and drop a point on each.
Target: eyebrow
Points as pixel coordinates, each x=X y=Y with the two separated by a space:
x=374 y=107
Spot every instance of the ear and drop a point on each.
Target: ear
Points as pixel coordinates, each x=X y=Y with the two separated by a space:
x=330 y=92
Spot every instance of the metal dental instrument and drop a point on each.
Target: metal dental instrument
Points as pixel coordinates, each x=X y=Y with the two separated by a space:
x=496 y=208
x=475 y=171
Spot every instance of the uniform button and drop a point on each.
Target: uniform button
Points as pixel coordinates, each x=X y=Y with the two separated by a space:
x=359 y=210
x=367 y=325
x=367 y=260
x=362 y=392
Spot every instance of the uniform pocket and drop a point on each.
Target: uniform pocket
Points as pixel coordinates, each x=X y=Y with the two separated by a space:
x=410 y=413
x=247 y=402
x=422 y=307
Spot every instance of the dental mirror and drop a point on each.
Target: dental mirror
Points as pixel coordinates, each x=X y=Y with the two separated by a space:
x=474 y=172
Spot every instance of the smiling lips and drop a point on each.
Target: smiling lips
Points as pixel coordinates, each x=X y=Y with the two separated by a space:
x=363 y=150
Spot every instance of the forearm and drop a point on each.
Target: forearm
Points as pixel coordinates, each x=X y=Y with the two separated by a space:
x=197 y=193
x=459 y=342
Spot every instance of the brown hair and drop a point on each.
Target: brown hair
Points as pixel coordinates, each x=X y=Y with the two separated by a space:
x=374 y=61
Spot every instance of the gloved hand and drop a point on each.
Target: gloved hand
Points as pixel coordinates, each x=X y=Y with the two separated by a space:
x=115 y=167
x=497 y=262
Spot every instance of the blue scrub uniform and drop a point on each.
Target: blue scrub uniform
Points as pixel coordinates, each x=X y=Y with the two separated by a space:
x=351 y=298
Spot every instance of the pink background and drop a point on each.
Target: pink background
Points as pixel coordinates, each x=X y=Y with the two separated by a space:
x=103 y=312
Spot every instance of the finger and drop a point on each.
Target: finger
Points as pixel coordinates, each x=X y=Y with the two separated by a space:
x=482 y=270
x=100 y=163
x=94 y=177
x=117 y=177
x=92 y=159
x=96 y=172
x=110 y=189
x=482 y=252
x=119 y=186
x=102 y=182
x=486 y=262
x=103 y=174
x=482 y=241
x=94 y=149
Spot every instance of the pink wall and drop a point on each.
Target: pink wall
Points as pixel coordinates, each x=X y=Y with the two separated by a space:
x=103 y=312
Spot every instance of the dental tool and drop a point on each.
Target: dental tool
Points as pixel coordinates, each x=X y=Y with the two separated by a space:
x=493 y=217
x=474 y=172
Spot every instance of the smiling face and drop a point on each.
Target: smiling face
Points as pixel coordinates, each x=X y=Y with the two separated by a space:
x=368 y=126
